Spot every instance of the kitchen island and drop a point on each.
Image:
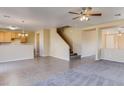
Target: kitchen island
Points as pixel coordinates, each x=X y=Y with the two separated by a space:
x=14 y=52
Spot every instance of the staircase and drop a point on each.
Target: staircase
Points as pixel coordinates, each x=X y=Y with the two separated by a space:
x=60 y=32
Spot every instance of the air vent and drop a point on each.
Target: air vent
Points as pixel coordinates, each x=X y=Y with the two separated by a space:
x=6 y=16
x=118 y=14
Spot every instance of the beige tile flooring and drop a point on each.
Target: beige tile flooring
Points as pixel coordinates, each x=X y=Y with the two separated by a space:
x=28 y=72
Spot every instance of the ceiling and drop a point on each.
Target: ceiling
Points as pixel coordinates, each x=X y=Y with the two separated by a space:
x=46 y=17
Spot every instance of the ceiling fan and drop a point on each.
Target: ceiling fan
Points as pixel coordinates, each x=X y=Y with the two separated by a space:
x=85 y=13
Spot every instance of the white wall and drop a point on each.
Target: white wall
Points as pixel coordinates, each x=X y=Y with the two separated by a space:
x=13 y=52
x=110 y=41
x=84 y=42
x=74 y=35
x=113 y=54
x=58 y=47
x=89 y=43
x=46 y=42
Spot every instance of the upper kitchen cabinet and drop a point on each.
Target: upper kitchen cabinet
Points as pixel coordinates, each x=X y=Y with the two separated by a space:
x=5 y=37
x=14 y=35
x=1 y=36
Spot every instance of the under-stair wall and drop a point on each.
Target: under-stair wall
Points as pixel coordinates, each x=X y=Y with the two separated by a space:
x=74 y=36
x=61 y=33
x=58 y=47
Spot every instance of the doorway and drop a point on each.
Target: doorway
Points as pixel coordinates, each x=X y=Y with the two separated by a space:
x=37 y=53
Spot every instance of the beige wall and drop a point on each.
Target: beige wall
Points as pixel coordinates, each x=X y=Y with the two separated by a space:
x=74 y=35
x=89 y=43
x=46 y=42
x=84 y=42
x=51 y=44
x=58 y=47
x=121 y=41
x=44 y=45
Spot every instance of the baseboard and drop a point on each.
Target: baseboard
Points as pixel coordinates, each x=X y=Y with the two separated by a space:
x=15 y=60
x=112 y=60
x=87 y=56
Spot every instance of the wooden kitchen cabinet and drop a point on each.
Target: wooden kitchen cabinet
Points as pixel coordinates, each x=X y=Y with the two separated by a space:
x=14 y=35
x=1 y=36
x=5 y=37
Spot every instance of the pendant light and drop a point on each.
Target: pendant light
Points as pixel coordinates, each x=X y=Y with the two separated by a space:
x=23 y=34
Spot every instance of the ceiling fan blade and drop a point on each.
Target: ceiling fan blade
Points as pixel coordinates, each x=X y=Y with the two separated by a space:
x=73 y=13
x=96 y=14
x=75 y=18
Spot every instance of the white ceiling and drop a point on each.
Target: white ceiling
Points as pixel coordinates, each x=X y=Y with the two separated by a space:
x=45 y=17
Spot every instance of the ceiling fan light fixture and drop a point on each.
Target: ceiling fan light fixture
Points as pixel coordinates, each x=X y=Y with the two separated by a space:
x=81 y=19
x=86 y=18
x=85 y=14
